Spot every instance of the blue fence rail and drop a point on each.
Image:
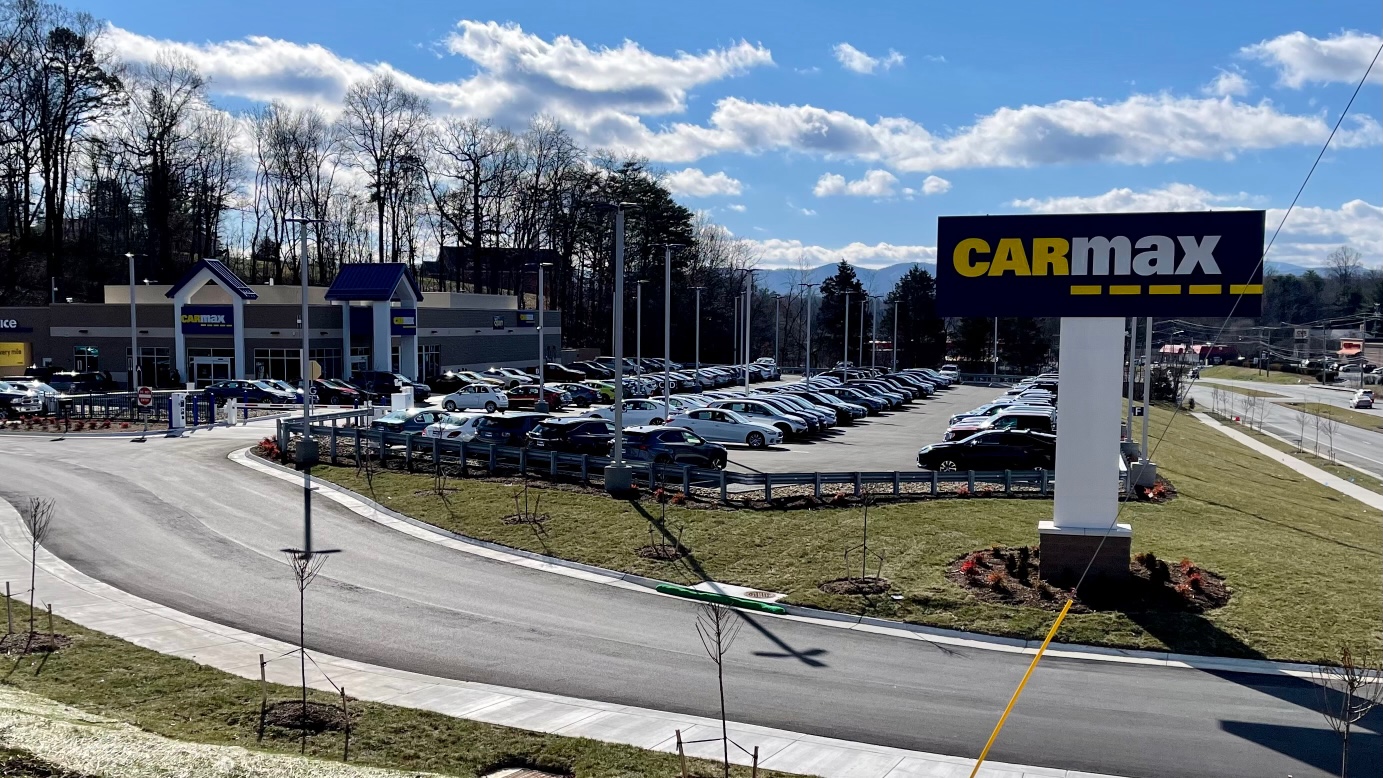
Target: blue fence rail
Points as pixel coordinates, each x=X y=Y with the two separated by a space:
x=419 y=453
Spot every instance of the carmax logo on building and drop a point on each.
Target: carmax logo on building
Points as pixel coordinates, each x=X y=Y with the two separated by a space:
x=205 y=319
x=1070 y=265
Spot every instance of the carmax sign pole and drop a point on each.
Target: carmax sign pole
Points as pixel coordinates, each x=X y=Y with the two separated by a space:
x=1092 y=270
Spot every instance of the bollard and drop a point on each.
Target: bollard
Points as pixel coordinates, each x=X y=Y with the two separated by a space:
x=768 y=487
x=681 y=753
x=586 y=469
x=346 y=712
x=1008 y=482
x=897 y=485
x=51 y=638
x=723 y=495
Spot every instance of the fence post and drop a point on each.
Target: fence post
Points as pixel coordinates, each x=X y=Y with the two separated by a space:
x=1044 y=482
x=686 y=480
x=586 y=469
x=333 y=441
x=681 y=753
x=970 y=483
x=355 y=434
x=857 y=483
x=9 y=610
x=263 y=699
x=383 y=449
x=408 y=451
x=723 y=495
x=755 y=768
x=1008 y=482
x=768 y=487
x=897 y=486
x=816 y=485
x=652 y=470
x=523 y=462
x=494 y=459
x=935 y=479
x=552 y=465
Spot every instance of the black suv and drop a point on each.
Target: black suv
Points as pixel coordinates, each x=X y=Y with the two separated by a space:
x=508 y=429
x=573 y=435
x=384 y=384
x=992 y=450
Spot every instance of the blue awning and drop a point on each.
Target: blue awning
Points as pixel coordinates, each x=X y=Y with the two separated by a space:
x=372 y=282
x=221 y=273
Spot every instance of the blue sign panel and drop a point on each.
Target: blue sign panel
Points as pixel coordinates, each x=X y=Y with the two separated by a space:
x=208 y=320
x=403 y=321
x=1126 y=264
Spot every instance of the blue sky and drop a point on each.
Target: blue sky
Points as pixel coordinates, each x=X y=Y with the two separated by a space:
x=820 y=130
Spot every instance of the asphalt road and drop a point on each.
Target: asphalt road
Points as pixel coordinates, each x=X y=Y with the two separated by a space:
x=173 y=521
x=1353 y=445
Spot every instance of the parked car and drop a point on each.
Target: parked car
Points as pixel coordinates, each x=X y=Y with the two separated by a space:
x=70 y=382
x=508 y=429
x=328 y=393
x=412 y=420
x=634 y=413
x=573 y=435
x=594 y=370
x=991 y=450
x=448 y=382
x=16 y=400
x=340 y=383
x=454 y=426
x=672 y=445
x=606 y=389
x=383 y=384
x=849 y=394
x=788 y=424
x=1362 y=399
x=510 y=376
x=1022 y=419
x=527 y=397
x=480 y=396
x=557 y=372
x=582 y=396
x=249 y=391
x=726 y=426
x=950 y=371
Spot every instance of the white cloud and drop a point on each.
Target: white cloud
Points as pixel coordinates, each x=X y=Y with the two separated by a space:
x=935 y=185
x=1229 y=83
x=857 y=61
x=737 y=207
x=693 y=182
x=774 y=252
x=1301 y=59
x=806 y=211
x=874 y=183
x=1357 y=223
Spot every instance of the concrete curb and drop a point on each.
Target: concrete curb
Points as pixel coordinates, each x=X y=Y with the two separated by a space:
x=501 y=553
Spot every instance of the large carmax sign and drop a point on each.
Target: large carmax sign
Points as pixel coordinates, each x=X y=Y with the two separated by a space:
x=1125 y=264
x=207 y=320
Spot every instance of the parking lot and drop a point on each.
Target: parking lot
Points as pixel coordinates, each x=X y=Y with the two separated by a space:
x=888 y=441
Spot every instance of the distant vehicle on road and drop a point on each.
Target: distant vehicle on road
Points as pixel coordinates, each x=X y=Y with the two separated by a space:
x=991 y=450
x=1362 y=399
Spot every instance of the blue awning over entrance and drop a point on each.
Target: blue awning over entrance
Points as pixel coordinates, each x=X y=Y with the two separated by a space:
x=374 y=282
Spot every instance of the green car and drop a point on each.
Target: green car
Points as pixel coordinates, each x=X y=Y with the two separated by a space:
x=606 y=389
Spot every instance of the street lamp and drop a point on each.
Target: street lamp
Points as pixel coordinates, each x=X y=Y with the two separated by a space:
x=698 y=335
x=638 y=322
x=748 y=304
x=808 y=366
x=667 y=328
x=619 y=476
x=134 y=327
x=894 y=349
x=540 y=405
x=845 y=340
x=306 y=444
x=863 y=303
x=874 y=333
x=777 y=305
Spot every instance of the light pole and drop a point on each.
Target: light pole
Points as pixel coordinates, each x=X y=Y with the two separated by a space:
x=134 y=328
x=638 y=322
x=735 y=340
x=698 y=336
x=808 y=366
x=540 y=405
x=863 y=303
x=748 y=304
x=777 y=304
x=667 y=328
x=845 y=340
x=874 y=333
x=894 y=350
x=618 y=477
x=994 y=357
x=306 y=445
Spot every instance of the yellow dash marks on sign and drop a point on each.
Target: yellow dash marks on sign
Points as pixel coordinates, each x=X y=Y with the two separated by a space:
x=1246 y=289
x=1134 y=289
x=1014 y=700
x=1087 y=289
x=1164 y=289
x=1205 y=289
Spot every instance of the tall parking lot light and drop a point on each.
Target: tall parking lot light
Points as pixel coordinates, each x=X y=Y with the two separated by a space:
x=667 y=328
x=777 y=305
x=638 y=322
x=874 y=333
x=306 y=445
x=134 y=329
x=863 y=303
x=748 y=304
x=894 y=350
x=808 y=360
x=698 y=335
x=540 y=405
x=845 y=340
x=618 y=476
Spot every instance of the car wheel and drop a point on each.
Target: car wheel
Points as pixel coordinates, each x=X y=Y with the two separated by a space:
x=449 y=405
x=655 y=421
x=756 y=440
x=718 y=462
x=490 y=407
x=947 y=466
x=662 y=459
x=583 y=403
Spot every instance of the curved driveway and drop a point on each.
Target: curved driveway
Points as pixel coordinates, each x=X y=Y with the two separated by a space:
x=175 y=522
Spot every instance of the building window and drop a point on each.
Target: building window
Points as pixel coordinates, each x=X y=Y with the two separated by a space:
x=431 y=364
x=155 y=366
x=329 y=359
x=283 y=364
x=86 y=358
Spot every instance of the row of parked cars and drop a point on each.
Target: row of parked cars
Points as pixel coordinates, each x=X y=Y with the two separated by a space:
x=1015 y=431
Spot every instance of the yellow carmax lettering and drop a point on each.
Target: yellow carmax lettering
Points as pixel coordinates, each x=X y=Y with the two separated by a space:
x=1010 y=256
x=1051 y=256
x=960 y=258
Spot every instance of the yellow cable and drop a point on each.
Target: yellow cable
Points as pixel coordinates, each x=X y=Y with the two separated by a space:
x=1012 y=701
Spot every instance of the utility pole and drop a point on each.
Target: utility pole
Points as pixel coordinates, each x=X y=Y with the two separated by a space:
x=845 y=340
x=618 y=477
x=994 y=356
x=894 y=350
x=698 y=336
x=1132 y=359
x=777 y=304
x=540 y=405
x=808 y=360
x=638 y=322
x=667 y=328
x=305 y=453
x=1147 y=381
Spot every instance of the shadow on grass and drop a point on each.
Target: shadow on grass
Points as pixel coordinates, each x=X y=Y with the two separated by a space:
x=1319 y=748
x=1286 y=526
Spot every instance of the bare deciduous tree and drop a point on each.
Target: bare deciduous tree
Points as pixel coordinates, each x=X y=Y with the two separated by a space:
x=1349 y=692
x=305 y=568
x=38 y=520
x=718 y=626
x=382 y=125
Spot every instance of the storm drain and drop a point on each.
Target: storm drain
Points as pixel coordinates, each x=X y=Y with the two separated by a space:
x=759 y=594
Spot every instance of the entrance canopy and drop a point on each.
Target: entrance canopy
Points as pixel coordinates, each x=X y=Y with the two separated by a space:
x=381 y=285
x=209 y=319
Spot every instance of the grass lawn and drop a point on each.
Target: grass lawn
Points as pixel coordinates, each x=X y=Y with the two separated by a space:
x=1293 y=552
x=1348 y=416
x=1253 y=374
x=1242 y=390
x=1335 y=469
x=181 y=699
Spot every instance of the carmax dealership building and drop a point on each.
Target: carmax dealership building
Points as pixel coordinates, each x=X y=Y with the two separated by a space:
x=210 y=325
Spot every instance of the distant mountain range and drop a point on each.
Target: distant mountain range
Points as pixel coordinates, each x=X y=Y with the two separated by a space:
x=881 y=281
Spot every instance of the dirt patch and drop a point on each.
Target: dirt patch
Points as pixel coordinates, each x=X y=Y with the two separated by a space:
x=288 y=714
x=857 y=586
x=663 y=552
x=531 y=519
x=1009 y=576
x=19 y=764
x=38 y=643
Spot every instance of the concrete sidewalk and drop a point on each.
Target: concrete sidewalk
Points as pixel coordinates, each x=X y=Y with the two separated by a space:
x=93 y=604
x=1367 y=497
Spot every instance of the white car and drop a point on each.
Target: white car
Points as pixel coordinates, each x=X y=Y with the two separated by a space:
x=511 y=377
x=1362 y=399
x=636 y=413
x=725 y=426
x=477 y=397
x=454 y=426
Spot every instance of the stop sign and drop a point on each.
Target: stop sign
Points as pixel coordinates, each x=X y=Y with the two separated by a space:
x=145 y=397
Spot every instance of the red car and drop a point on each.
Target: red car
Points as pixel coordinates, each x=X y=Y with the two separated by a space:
x=526 y=396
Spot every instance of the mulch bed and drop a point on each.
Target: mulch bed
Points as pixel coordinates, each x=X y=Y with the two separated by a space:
x=1162 y=491
x=40 y=643
x=1009 y=576
x=534 y=519
x=663 y=552
x=857 y=586
x=288 y=714
x=18 y=764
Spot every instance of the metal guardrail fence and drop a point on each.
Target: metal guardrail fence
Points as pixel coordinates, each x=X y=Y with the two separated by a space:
x=428 y=453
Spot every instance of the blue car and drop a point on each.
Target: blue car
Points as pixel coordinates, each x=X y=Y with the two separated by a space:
x=672 y=446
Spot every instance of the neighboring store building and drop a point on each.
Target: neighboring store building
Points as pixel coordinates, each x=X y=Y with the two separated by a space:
x=210 y=325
